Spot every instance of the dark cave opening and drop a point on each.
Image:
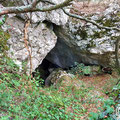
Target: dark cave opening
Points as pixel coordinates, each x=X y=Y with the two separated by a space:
x=63 y=56
x=44 y=70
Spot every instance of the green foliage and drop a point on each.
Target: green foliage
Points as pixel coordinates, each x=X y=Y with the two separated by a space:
x=105 y=112
x=83 y=34
x=4 y=36
x=8 y=4
x=116 y=92
x=80 y=69
x=2 y=20
x=20 y=97
x=38 y=78
x=87 y=70
x=21 y=104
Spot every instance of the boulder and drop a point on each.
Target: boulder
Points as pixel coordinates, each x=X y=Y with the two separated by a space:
x=57 y=76
x=41 y=41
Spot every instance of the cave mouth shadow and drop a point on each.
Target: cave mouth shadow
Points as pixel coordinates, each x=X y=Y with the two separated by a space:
x=44 y=70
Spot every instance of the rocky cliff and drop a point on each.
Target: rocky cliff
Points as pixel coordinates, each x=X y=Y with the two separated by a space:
x=77 y=41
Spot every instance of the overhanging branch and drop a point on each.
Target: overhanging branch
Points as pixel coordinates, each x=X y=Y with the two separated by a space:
x=85 y=19
x=32 y=8
x=90 y=21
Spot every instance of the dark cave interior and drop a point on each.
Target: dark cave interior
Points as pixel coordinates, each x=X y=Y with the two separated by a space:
x=46 y=68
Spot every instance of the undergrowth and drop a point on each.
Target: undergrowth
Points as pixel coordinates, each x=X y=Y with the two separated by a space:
x=80 y=69
x=22 y=99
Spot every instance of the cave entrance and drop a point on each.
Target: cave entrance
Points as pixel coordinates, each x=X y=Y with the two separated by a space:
x=44 y=69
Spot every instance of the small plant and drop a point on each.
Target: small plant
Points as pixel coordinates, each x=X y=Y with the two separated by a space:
x=4 y=36
x=105 y=112
x=115 y=93
x=2 y=20
x=87 y=70
x=80 y=69
x=38 y=78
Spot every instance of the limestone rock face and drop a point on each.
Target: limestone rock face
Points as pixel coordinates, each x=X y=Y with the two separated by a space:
x=57 y=17
x=79 y=41
x=41 y=41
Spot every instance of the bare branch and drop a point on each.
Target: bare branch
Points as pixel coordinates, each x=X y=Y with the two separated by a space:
x=117 y=52
x=90 y=21
x=85 y=19
x=27 y=23
x=32 y=8
x=54 y=7
x=35 y=2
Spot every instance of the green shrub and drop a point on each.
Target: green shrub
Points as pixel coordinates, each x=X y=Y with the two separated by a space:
x=105 y=112
x=80 y=69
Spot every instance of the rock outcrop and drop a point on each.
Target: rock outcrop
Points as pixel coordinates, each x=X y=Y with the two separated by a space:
x=41 y=41
x=41 y=37
x=79 y=41
x=57 y=17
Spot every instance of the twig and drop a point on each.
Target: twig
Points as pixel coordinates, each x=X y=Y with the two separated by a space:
x=27 y=23
x=90 y=21
x=32 y=8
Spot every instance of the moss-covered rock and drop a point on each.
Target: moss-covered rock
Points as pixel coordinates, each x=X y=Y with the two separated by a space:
x=56 y=77
x=4 y=36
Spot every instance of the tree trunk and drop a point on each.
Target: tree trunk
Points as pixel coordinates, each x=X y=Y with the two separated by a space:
x=117 y=53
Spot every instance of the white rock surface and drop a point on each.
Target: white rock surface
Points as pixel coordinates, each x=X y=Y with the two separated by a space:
x=41 y=41
x=86 y=42
x=57 y=17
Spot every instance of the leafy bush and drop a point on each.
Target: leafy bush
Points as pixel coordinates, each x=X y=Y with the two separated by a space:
x=87 y=70
x=80 y=69
x=106 y=111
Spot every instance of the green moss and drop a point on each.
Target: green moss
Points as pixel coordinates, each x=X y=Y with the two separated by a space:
x=8 y=4
x=108 y=23
x=98 y=34
x=118 y=14
x=4 y=36
x=83 y=34
x=91 y=45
